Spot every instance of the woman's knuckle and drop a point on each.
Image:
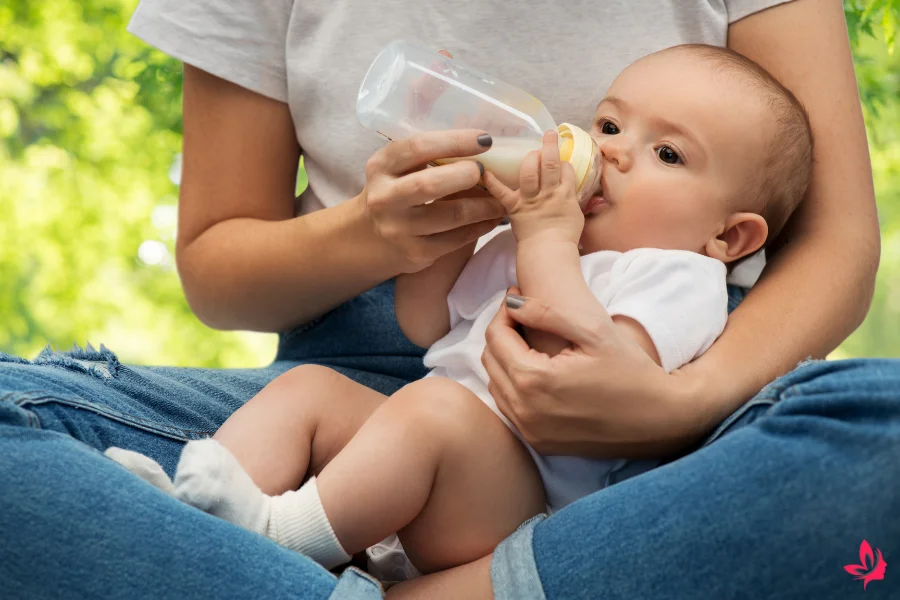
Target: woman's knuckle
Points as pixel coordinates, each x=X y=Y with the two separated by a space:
x=428 y=188
x=375 y=165
x=376 y=198
x=391 y=230
x=417 y=146
x=522 y=378
x=419 y=254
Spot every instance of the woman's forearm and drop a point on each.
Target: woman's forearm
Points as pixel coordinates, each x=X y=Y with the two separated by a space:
x=819 y=284
x=272 y=275
x=813 y=294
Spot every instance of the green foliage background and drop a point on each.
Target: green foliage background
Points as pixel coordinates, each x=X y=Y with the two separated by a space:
x=90 y=130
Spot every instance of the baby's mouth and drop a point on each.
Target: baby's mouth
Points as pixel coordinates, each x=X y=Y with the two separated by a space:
x=594 y=203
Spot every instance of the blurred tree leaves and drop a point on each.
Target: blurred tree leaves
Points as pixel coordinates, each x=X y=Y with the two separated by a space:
x=90 y=123
x=90 y=128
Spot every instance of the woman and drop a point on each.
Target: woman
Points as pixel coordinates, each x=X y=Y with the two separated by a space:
x=262 y=81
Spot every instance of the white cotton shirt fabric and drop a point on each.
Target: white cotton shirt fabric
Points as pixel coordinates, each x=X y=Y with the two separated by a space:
x=312 y=55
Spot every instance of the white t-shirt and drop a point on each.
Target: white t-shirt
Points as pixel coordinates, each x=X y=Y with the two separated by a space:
x=313 y=54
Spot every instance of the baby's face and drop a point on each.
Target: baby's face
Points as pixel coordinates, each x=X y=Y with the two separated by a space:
x=679 y=149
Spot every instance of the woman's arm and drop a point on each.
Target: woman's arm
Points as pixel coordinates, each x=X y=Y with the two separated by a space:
x=818 y=286
x=246 y=261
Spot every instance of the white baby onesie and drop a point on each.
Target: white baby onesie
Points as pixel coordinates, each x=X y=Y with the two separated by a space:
x=680 y=298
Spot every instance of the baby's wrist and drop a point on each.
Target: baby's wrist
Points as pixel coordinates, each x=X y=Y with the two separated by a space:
x=545 y=239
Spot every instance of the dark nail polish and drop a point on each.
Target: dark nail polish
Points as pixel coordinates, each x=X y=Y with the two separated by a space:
x=485 y=140
x=513 y=301
x=480 y=167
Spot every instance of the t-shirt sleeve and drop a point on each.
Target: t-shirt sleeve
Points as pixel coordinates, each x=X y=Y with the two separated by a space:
x=241 y=41
x=738 y=9
x=490 y=270
x=679 y=298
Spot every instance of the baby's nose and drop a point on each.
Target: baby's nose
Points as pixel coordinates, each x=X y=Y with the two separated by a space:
x=616 y=154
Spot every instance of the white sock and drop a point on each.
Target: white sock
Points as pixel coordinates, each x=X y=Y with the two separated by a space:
x=210 y=478
x=298 y=522
x=143 y=466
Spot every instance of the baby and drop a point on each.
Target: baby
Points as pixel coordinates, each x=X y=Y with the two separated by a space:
x=705 y=156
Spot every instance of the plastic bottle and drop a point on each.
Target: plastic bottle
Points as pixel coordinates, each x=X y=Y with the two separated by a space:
x=410 y=89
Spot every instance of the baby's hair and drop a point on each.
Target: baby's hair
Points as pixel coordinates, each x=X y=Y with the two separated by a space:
x=789 y=153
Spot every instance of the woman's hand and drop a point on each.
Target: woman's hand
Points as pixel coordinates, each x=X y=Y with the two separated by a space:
x=545 y=205
x=425 y=213
x=603 y=397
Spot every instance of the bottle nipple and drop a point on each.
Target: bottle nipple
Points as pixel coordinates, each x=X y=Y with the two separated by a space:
x=580 y=150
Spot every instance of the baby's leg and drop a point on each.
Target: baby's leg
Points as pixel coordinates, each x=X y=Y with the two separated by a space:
x=436 y=465
x=296 y=424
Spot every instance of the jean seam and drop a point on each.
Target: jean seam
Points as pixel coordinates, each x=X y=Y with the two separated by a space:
x=33 y=421
x=358 y=584
x=172 y=432
x=514 y=572
x=771 y=394
x=733 y=417
x=290 y=335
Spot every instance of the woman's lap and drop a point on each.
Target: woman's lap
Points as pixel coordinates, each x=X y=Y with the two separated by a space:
x=77 y=525
x=706 y=524
x=773 y=507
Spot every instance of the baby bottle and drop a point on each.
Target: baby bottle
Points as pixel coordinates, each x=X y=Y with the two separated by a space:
x=410 y=89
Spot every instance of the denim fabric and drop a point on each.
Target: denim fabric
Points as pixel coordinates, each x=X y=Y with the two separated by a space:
x=76 y=525
x=773 y=506
x=356 y=585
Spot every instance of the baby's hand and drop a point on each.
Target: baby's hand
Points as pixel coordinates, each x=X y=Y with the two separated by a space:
x=545 y=203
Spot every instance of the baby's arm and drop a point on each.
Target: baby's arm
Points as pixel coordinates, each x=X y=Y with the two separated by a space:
x=549 y=268
x=420 y=299
x=547 y=223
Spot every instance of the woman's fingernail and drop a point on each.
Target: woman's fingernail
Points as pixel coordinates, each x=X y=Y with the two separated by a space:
x=485 y=140
x=513 y=301
x=480 y=167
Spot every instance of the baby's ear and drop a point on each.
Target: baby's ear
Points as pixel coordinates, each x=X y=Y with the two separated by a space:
x=744 y=234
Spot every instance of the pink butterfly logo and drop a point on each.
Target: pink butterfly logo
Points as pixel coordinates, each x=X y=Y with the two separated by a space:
x=870 y=568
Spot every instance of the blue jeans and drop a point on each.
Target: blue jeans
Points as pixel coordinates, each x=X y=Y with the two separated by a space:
x=774 y=508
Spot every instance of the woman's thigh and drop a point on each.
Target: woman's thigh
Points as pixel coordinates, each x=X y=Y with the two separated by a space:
x=77 y=525
x=89 y=395
x=774 y=507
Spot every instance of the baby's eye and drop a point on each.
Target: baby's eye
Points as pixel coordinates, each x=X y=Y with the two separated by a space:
x=608 y=127
x=667 y=155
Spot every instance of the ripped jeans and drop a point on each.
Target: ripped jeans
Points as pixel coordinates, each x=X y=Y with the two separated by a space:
x=781 y=500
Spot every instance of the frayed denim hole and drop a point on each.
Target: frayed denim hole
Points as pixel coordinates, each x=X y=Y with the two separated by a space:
x=102 y=363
